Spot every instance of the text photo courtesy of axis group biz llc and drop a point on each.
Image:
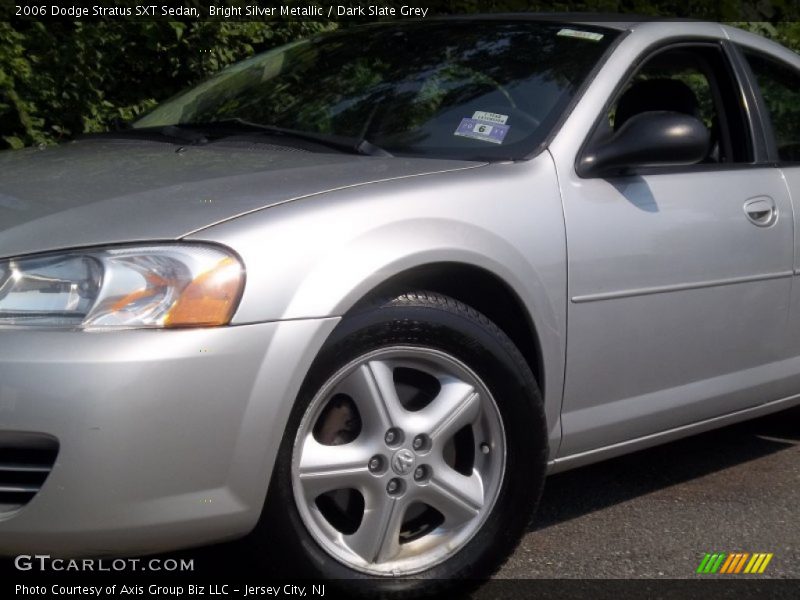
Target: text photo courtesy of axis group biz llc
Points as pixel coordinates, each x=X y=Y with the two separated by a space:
x=463 y=299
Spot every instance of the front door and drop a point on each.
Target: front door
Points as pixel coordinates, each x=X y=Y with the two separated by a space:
x=679 y=278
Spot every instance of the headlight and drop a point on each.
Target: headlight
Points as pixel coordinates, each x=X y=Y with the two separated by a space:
x=128 y=287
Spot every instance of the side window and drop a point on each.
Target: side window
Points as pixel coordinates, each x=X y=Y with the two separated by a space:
x=694 y=80
x=780 y=88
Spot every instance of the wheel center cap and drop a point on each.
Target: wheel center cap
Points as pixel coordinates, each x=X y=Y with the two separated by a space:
x=403 y=461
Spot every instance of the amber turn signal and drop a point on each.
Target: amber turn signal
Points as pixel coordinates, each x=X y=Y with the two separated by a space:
x=210 y=299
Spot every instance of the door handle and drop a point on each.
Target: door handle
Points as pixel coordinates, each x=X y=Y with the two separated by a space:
x=761 y=211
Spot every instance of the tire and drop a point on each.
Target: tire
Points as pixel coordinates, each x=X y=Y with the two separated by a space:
x=428 y=346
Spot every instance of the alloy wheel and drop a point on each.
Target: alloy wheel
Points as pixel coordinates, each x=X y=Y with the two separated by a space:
x=398 y=460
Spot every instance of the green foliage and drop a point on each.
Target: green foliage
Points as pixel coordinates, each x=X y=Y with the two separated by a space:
x=786 y=33
x=62 y=79
x=66 y=78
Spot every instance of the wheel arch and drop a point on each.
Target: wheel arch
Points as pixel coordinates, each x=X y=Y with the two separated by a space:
x=479 y=288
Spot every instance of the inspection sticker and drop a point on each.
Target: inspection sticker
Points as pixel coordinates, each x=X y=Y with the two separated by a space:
x=482 y=115
x=482 y=130
x=584 y=35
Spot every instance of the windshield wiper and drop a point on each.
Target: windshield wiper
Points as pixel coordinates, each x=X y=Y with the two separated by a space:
x=360 y=146
x=202 y=133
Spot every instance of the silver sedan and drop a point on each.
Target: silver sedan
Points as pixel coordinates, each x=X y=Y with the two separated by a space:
x=358 y=295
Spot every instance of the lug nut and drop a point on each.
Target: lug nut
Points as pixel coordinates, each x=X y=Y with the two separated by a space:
x=485 y=448
x=375 y=464
x=394 y=487
x=421 y=443
x=421 y=473
x=393 y=437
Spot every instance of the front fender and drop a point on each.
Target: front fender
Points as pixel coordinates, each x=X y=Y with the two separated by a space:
x=319 y=256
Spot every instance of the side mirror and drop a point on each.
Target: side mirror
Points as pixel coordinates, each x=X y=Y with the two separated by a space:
x=649 y=139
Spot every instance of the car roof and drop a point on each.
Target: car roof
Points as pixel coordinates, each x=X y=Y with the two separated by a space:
x=628 y=22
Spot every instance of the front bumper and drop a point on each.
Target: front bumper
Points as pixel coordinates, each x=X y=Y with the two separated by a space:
x=167 y=438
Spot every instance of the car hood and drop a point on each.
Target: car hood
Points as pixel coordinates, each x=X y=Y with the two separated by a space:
x=104 y=191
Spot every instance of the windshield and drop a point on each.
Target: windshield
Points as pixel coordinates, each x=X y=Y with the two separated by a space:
x=471 y=89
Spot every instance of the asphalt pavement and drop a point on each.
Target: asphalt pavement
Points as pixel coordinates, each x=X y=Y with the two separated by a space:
x=657 y=512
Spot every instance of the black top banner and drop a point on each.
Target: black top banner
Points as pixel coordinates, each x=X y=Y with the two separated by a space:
x=305 y=10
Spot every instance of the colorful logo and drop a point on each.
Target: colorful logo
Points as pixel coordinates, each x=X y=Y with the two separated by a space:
x=734 y=563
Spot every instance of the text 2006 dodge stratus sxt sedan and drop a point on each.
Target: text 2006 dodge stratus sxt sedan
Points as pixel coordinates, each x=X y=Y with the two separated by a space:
x=358 y=294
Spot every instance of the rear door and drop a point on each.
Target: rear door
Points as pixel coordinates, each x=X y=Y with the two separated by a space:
x=777 y=82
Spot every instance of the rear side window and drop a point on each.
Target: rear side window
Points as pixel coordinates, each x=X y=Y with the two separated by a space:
x=780 y=88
